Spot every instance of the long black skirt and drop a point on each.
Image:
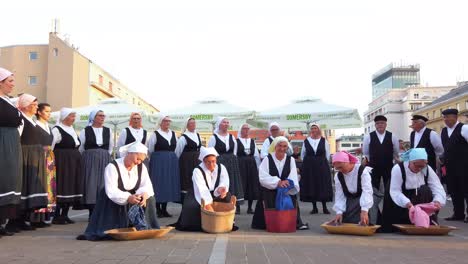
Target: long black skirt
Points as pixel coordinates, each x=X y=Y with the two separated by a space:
x=34 y=191
x=11 y=180
x=232 y=166
x=109 y=215
x=316 y=180
x=249 y=176
x=188 y=161
x=69 y=177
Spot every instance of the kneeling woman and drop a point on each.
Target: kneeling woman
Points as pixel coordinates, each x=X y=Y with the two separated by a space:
x=412 y=183
x=126 y=183
x=275 y=171
x=353 y=190
x=210 y=183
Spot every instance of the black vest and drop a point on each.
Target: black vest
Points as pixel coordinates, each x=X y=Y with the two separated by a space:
x=206 y=182
x=320 y=148
x=162 y=144
x=130 y=138
x=425 y=142
x=381 y=154
x=31 y=134
x=455 y=146
x=241 y=148
x=221 y=146
x=120 y=184
x=67 y=140
x=10 y=116
x=46 y=138
x=409 y=192
x=345 y=187
x=192 y=145
x=273 y=171
x=270 y=139
x=91 y=138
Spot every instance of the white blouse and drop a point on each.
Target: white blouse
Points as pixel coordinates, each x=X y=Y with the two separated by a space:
x=314 y=143
x=182 y=142
x=366 y=200
x=413 y=181
x=271 y=182
x=44 y=126
x=98 y=132
x=151 y=142
x=136 y=133
x=129 y=179
x=199 y=185
x=58 y=137
x=246 y=143
x=225 y=140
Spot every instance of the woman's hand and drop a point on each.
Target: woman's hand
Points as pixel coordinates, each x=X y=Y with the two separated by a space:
x=364 y=218
x=134 y=199
x=144 y=197
x=437 y=205
x=283 y=184
x=409 y=205
x=222 y=192
x=209 y=207
x=337 y=220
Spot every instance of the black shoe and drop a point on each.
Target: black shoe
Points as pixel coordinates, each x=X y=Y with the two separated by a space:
x=455 y=218
x=12 y=227
x=59 y=221
x=249 y=211
x=40 y=225
x=314 y=211
x=81 y=237
x=303 y=227
x=325 y=211
x=68 y=220
x=4 y=232
x=166 y=214
x=466 y=220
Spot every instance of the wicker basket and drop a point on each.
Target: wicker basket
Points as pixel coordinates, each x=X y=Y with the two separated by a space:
x=221 y=220
x=133 y=234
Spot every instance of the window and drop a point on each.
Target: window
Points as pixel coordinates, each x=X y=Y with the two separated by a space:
x=416 y=96
x=458 y=106
x=101 y=79
x=356 y=145
x=55 y=52
x=345 y=145
x=32 y=80
x=33 y=55
x=110 y=86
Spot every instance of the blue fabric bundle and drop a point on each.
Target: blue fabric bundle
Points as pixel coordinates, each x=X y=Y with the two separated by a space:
x=136 y=215
x=283 y=200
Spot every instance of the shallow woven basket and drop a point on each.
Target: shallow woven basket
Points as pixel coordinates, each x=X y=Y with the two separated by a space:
x=350 y=229
x=132 y=234
x=432 y=230
x=221 y=220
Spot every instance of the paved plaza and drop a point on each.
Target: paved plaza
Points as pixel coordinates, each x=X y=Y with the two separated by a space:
x=57 y=245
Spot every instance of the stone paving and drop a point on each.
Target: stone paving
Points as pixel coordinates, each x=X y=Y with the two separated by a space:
x=57 y=244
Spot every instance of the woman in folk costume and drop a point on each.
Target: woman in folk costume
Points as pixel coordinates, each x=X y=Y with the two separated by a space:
x=226 y=145
x=96 y=148
x=210 y=183
x=33 y=192
x=275 y=171
x=41 y=215
x=188 y=151
x=68 y=165
x=164 y=166
x=126 y=183
x=413 y=182
x=275 y=131
x=353 y=190
x=134 y=132
x=316 y=184
x=249 y=160
x=11 y=161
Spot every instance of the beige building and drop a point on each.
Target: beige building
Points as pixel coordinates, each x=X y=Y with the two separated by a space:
x=399 y=105
x=456 y=98
x=58 y=74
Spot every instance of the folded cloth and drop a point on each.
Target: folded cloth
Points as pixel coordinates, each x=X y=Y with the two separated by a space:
x=283 y=200
x=136 y=215
x=419 y=214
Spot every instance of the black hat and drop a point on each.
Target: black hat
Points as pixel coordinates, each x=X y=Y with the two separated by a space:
x=419 y=117
x=450 y=111
x=380 y=118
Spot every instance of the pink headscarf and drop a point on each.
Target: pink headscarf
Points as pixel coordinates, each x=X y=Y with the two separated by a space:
x=344 y=156
x=25 y=100
x=4 y=73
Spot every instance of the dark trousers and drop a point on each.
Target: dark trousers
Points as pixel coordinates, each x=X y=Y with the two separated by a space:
x=379 y=172
x=459 y=207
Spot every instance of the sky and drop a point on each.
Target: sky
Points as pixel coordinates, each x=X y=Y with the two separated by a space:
x=256 y=54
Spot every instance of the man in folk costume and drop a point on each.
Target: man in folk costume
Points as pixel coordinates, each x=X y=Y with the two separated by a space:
x=353 y=190
x=274 y=172
x=423 y=137
x=455 y=141
x=126 y=183
x=210 y=183
x=275 y=131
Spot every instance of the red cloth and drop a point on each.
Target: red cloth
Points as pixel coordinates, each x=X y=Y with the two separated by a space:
x=419 y=214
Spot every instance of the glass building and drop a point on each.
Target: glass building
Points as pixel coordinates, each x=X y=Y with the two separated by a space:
x=394 y=76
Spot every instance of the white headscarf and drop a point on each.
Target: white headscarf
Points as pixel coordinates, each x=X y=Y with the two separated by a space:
x=4 y=73
x=207 y=152
x=219 y=119
x=273 y=124
x=64 y=112
x=240 y=130
x=277 y=140
x=160 y=120
x=186 y=124
x=135 y=147
x=92 y=115
x=25 y=100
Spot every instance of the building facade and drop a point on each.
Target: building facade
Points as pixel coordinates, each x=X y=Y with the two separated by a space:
x=58 y=74
x=456 y=98
x=349 y=143
x=394 y=76
x=398 y=105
